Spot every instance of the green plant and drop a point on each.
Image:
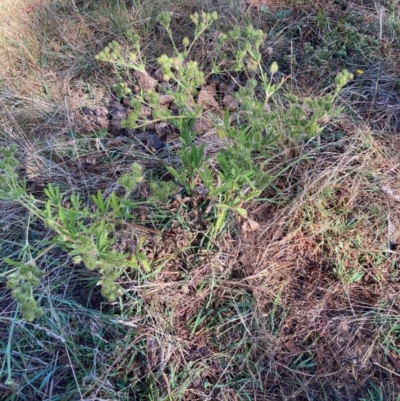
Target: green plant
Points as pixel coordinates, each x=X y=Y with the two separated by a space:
x=260 y=127
x=345 y=42
x=86 y=232
x=375 y=393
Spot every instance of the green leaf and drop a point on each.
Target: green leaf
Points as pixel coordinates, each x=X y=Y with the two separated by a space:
x=180 y=178
x=114 y=201
x=11 y=262
x=76 y=202
x=206 y=177
x=356 y=277
x=242 y=212
x=62 y=216
x=227 y=119
x=222 y=189
x=251 y=195
x=142 y=258
x=99 y=201
x=53 y=193
x=221 y=217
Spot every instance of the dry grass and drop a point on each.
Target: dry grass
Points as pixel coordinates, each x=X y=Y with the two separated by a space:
x=305 y=307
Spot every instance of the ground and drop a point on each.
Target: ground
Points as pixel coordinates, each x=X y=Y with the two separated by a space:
x=291 y=293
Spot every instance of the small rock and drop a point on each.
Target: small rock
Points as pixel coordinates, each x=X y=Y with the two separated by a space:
x=145 y=81
x=114 y=104
x=223 y=87
x=118 y=114
x=87 y=111
x=126 y=101
x=162 y=129
x=145 y=111
x=97 y=117
x=166 y=100
x=114 y=127
x=230 y=102
x=201 y=125
x=151 y=141
x=199 y=192
x=154 y=143
x=206 y=98
x=159 y=75
x=103 y=122
x=134 y=88
x=101 y=112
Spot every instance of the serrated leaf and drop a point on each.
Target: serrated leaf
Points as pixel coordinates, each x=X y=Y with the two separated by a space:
x=142 y=258
x=221 y=218
x=242 y=212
